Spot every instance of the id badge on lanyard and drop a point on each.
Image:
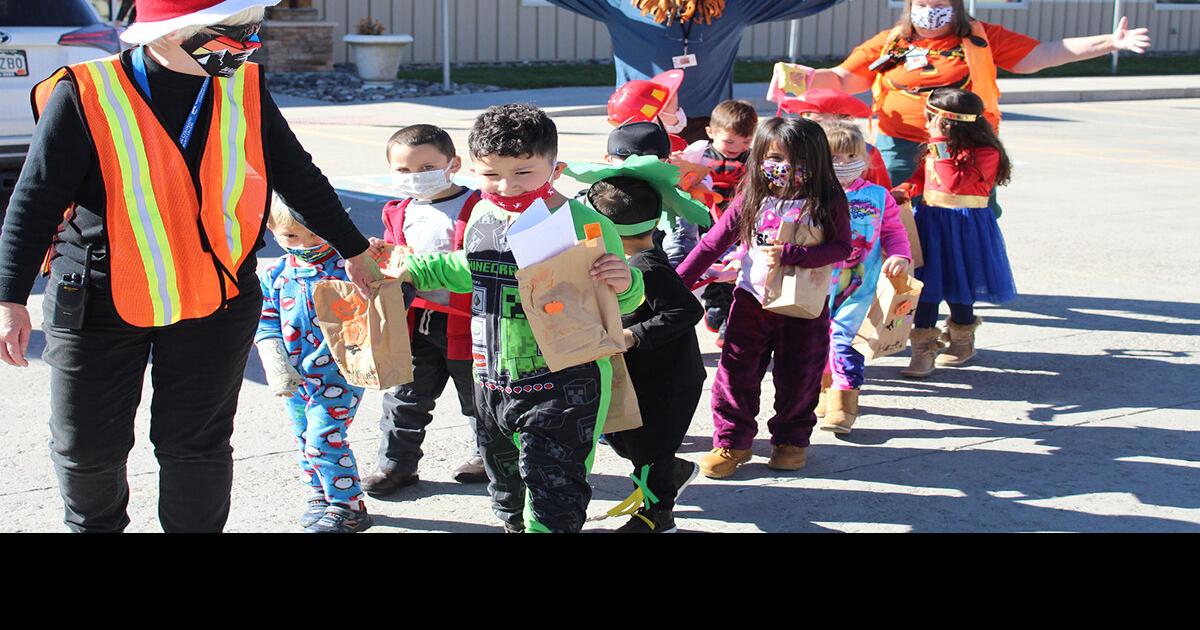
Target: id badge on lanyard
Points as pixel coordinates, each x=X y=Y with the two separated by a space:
x=916 y=59
x=686 y=60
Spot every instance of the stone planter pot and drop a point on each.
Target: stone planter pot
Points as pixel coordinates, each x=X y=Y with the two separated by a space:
x=377 y=57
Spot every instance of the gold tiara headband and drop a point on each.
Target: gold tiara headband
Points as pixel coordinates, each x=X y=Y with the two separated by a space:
x=949 y=115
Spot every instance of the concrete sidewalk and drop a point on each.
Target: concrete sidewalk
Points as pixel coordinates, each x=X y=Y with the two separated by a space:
x=589 y=101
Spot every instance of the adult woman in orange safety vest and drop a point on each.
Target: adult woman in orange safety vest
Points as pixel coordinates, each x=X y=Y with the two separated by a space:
x=148 y=178
x=936 y=44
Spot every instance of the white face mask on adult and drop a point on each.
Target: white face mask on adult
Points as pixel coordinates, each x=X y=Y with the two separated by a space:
x=423 y=185
x=931 y=18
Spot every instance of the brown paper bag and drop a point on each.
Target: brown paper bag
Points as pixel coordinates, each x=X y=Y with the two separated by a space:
x=623 y=411
x=797 y=291
x=574 y=318
x=914 y=241
x=890 y=320
x=367 y=338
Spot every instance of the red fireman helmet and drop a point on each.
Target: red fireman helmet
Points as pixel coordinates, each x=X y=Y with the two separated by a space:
x=824 y=101
x=637 y=101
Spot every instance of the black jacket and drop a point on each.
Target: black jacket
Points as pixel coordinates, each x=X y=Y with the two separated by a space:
x=62 y=168
x=667 y=355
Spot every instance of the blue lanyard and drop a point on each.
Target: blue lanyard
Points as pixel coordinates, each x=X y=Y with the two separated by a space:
x=139 y=73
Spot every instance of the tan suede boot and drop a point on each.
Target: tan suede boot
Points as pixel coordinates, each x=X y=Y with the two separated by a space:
x=826 y=382
x=961 y=338
x=722 y=462
x=842 y=410
x=925 y=346
x=788 y=457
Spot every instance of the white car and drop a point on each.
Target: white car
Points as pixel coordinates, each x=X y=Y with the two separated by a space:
x=36 y=38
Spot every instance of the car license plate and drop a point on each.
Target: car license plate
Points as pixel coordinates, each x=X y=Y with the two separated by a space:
x=13 y=63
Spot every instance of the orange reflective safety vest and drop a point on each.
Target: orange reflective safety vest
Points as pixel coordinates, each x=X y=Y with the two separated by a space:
x=980 y=65
x=174 y=248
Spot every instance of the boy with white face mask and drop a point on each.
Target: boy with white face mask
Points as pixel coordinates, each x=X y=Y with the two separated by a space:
x=430 y=217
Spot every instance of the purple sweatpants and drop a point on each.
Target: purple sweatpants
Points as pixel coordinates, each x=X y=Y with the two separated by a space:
x=800 y=348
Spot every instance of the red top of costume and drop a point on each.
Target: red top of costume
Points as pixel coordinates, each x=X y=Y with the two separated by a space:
x=969 y=172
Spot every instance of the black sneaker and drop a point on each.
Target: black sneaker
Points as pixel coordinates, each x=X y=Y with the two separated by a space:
x=339 y=520
x=316 y=509
x=684 y=474
x=714 y=318
x=379 y=483
x=509 y=529
x=649 y=522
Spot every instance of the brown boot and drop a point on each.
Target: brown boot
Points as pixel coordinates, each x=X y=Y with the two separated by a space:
x=826 y=382
x=722 y=462
x=925 y=346
x=788 y=457
x=961 y=338
x=842 y=410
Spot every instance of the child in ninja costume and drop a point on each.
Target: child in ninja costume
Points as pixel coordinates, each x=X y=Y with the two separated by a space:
x=432 y=217
x=537 y=428
x=875 y=228
x=299 y=367
x=663 y=356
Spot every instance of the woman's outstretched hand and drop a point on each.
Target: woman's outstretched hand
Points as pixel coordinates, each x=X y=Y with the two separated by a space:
x=1136 y=40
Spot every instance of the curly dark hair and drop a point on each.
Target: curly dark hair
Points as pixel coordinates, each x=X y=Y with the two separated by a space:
x=513 y=130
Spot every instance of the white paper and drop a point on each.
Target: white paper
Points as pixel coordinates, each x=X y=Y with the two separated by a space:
x=539 y=235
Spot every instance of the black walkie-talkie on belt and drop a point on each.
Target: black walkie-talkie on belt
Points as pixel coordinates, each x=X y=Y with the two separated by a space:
x=71 y=296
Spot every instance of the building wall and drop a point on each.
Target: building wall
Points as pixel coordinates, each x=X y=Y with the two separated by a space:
x=507 y=30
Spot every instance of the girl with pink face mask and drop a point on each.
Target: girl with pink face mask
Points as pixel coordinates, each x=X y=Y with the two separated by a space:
x=789 y=176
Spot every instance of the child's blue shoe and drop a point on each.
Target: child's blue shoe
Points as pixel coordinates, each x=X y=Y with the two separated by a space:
x=339 y=520
x=316 y=509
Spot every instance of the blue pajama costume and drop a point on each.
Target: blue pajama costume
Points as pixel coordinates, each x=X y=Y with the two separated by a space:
x=874 y=224
x=322 y=409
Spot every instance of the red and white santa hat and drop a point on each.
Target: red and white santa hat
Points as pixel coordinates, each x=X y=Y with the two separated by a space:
x=156 y=18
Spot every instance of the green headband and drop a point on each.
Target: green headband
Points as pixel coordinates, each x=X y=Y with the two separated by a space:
x=661 y=176
x=634 y=229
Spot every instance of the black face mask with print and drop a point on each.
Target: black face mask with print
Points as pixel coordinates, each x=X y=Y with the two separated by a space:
x=221 y=50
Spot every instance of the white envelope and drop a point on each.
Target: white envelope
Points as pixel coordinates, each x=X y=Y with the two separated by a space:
x=539 y=235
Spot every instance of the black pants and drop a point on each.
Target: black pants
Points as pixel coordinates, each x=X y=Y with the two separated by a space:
x=96 y=386
x=927 y=314
x=553 y=419
x=407 y=408
x=666 y=415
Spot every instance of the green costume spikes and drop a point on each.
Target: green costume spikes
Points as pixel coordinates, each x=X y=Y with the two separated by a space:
x=662 y=176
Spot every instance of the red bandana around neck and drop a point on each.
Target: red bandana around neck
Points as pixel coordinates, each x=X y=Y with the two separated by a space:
x=519 y=202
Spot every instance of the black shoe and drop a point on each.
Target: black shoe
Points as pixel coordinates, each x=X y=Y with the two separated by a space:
x=379 y=483
x=714 y=318
x=649 y=522
x=684 y=474
x=472 y=471
x=339 y=520
x=316 y=509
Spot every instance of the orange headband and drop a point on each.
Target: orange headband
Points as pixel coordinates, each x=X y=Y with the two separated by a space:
x=949 y=115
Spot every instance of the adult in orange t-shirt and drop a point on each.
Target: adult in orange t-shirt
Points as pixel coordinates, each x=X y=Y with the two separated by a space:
x=928 y=48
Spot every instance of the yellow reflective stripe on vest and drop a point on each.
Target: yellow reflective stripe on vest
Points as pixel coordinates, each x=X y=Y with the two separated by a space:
x=138 y=190
x=233 y=158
